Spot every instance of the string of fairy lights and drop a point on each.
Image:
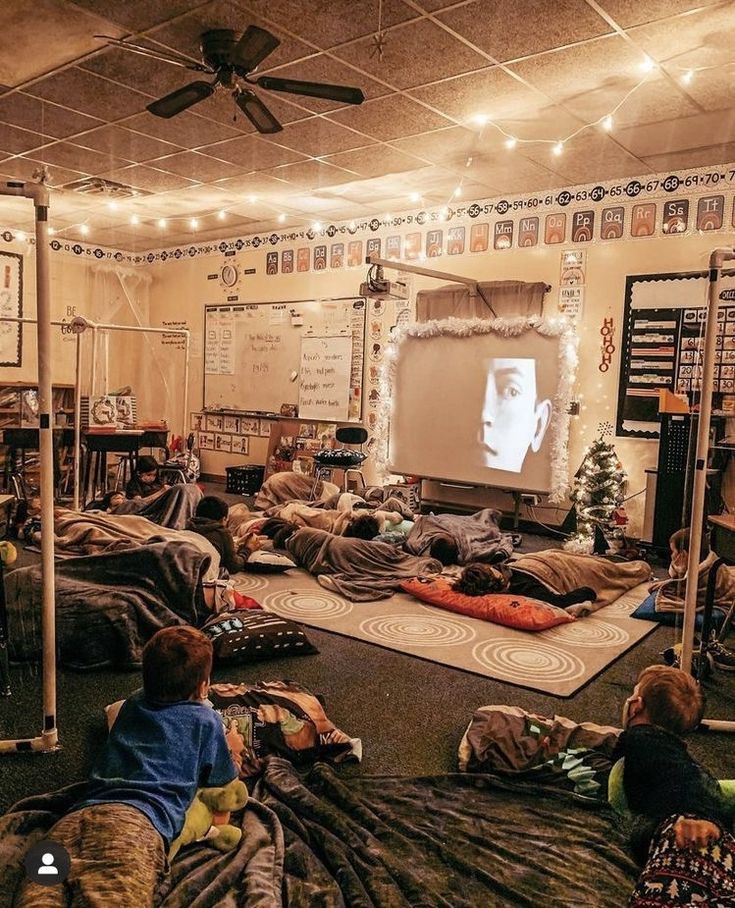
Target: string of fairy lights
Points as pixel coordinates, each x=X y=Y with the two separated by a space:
x=647 y=67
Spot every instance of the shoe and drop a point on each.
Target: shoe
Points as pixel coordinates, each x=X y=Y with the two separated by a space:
x=722 y=657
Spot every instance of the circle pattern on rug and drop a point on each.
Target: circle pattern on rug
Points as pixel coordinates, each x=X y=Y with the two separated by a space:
x=306 y=604
x=416 y=630
x=587 y=632
x=529 y=661
x=247 y=584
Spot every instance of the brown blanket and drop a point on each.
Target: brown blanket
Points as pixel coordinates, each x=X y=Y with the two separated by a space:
x=95 y=532
x=359 y=569
x=564 y=571
x=287 y=486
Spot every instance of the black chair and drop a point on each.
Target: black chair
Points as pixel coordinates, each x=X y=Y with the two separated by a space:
x=343 y=458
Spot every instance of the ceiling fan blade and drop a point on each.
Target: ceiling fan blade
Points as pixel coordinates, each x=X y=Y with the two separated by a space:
x=177 y=59
x=254 y=46
x=342 y=93
x=179 y=100
x=258 y=114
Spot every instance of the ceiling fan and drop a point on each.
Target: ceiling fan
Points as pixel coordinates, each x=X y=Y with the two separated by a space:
x=232 y=61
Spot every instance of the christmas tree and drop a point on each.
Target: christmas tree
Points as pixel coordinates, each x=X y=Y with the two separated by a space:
x=597 y=496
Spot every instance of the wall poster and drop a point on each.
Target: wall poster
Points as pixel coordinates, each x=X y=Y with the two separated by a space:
x=11 y=305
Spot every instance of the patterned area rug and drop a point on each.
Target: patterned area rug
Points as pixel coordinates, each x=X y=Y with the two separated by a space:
x=559 y=661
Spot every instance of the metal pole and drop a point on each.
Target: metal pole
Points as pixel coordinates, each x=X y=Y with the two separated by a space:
x=426 y=272
x=696 y=526
x=77 y=421
x=185 y=426
x=94 y=361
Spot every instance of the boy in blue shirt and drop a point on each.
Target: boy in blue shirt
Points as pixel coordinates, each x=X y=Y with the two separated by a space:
x=165 y=743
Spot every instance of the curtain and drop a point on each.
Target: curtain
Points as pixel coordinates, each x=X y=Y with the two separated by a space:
x=503 y=299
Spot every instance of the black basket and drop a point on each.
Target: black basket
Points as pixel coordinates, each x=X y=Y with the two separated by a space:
x=245 y=480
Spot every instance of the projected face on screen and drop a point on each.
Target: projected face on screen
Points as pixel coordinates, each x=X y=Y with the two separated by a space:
x=513 y=419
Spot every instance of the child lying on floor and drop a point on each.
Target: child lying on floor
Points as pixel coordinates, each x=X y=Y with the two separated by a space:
x=210 y=521
x=482 y=579
x=165 y=743
x=660 y=779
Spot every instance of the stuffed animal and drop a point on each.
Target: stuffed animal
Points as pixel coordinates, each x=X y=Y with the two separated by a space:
x=208 y=818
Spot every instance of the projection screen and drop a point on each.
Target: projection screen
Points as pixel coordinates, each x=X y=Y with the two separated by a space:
x=482 y=408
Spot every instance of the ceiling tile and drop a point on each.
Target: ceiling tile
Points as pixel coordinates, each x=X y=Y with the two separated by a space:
x=389 y=118
x=712 y=90
x=147 y=179
x=588 y=157
x=692 y=157
x=322 y=68
x=196 y=166
x=258 y=184
x=491 y=92
x=373 y=161
x=83 y=91
x=414 y=53
x=514 y=174
x=59 y=34
x=332 y=22
x=64 y=154
x=678 y=135
x=551 y=123
x=139 y=15
x=568 y=75
x=14 y=140
x=318 y=136
x=504 y=30
x=183 y=34
x=709 y=32
x=152 y=77
x=310 y=175
x=42 y=117
x=29 y=168
x=186 y=129
x=451 y=146
x=632 y=12
x=252 y=153
x=124 y=143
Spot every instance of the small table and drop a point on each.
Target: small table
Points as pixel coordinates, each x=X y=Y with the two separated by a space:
x=99 y=445
x=723 y=535
x=20 y=439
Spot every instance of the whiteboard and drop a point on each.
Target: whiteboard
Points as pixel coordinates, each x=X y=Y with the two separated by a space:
x=253 y=354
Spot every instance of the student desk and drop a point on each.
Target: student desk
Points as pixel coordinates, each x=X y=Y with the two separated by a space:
x=723 y=535
x=22 y=439
x=126 y=442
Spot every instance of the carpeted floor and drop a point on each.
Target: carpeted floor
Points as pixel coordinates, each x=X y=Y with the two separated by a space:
x=410 y=713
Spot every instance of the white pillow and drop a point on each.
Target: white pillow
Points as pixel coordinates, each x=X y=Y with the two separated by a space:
x=265 y=562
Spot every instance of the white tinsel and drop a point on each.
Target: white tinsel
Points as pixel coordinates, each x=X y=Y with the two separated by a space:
x=556 y=326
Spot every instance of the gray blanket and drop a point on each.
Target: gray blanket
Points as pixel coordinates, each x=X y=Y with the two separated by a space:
x=359 y=569
x=174 y=508
x=454 y=841
x=477 y=536
x=108 y=606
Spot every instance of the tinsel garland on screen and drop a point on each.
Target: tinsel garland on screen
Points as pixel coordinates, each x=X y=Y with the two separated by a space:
x=556 y=326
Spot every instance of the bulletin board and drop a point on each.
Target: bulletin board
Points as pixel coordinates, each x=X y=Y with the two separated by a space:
x=663 y=341
x=309 y=354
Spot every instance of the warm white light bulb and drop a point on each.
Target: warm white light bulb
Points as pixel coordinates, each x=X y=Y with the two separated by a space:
x=281 y=218
x=221 y=215
x=415 y=197
x=134 y=219
x=193 y=223
x=443 y=214
x=558 y=148
x=84 y=230
x=511 y=142
x=51 y=231
x=647 y=65
x=687 y=77
x=353 y=225
x=162 y=222
x=480 y=119
x=316 y=226
x=20 y=235
x=607 y=123
x=457 y=192
x=252 y=199
x=112 y=205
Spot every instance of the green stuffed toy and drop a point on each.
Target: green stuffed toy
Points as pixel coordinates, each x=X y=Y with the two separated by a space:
x=208 y=818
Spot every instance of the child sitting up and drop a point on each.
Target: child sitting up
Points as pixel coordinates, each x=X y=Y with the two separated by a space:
x=659 y=777
x=669 y=594
x=165 y=743
x=147 y=480
x=210 y=521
